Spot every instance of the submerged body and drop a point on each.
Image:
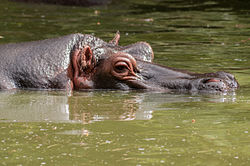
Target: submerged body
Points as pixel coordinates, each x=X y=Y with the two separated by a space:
x=80 y=61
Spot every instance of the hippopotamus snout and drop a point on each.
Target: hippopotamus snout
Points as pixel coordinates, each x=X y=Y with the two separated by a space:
x=213 y=84
x=221 y=81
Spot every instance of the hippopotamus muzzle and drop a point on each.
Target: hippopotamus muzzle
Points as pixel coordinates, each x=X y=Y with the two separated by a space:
x=160 y=79
x=82 y=62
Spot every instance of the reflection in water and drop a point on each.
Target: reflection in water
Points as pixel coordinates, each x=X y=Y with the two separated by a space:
x=87 y=107
x=33 y=106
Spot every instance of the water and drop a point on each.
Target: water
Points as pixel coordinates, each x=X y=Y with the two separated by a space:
x=134 y=127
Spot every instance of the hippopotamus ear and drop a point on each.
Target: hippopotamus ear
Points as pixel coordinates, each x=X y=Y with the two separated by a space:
x=87 y=60
x=140 y=50
x=115 y=40
x=83 y=61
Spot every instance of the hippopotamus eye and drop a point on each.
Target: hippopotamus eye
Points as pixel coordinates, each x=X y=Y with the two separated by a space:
x=121 y=67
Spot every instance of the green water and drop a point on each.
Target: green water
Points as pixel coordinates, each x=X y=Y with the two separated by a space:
x=133 y=127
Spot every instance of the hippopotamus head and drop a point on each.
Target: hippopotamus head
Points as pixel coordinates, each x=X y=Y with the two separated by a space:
x=131 y=67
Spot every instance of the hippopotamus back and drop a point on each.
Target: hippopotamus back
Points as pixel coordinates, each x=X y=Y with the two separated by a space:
x=38 y=64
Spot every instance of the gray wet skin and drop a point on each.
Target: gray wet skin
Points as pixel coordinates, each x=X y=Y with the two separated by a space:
x=61 y=63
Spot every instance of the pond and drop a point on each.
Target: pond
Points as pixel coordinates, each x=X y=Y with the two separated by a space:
x=133 y=127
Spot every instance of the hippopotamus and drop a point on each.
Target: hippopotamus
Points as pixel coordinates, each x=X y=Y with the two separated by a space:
x=82 y=61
